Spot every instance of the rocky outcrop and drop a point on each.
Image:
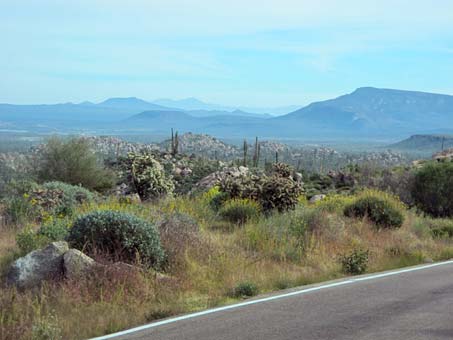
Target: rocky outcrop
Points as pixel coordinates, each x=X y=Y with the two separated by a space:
x=213 y=179
x=444 y=156
x=39 y=265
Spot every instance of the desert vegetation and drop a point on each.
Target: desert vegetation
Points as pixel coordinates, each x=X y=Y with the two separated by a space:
x=149 y=234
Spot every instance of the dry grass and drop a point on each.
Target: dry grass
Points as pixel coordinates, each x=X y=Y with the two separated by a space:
x=276 y=252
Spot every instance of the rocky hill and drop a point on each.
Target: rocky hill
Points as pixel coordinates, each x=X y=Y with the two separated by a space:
x=426 y=144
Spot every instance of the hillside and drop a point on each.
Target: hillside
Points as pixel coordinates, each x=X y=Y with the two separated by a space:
x=424 y=143
x=163 y=121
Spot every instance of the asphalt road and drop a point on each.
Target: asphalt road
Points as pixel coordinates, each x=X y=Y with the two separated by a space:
x=413 y=304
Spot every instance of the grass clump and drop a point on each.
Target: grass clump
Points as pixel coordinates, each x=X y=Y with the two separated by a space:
x=440 y=227
x=239 y=211
x=384 y=210
x=356 y=262
x=121 y=235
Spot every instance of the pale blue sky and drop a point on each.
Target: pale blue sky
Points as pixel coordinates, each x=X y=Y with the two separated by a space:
x=247 y=52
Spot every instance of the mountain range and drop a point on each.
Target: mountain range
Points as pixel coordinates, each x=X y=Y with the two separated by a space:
x=366 y=113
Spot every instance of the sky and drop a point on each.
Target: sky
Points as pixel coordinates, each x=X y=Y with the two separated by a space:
x=250 y=52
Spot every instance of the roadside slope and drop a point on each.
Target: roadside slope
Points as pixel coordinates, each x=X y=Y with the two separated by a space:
x=413 y=303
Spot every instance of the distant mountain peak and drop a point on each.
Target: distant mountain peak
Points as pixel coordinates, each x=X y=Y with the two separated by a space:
x=366 y=89
x=131 y=103
x=123 y=100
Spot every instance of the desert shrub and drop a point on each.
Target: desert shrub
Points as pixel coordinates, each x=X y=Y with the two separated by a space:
x=384 y=210
x=239 y=210
x=55 y=229
x=73 y=162
x=245 y=289
x=147 y=176
x=57 y=199
x=334 y=203
x=71 y=196
x=218 y=200
x=41 y=202
x=433 y=189
x=178 y=233
x=118 y=234
x=356 y=262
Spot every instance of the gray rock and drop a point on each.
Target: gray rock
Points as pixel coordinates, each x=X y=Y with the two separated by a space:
x=77 y=264
x=44 y=264
x=298 y=177
x=317 y=198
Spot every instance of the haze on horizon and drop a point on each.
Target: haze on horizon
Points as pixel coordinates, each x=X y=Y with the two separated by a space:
x=254 y=53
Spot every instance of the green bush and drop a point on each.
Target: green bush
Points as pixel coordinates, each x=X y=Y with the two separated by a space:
x=55 y=230
x=245 y=289
x=28 y=240
x=121 y=235
x=147 y=176
x=239 y=210
x=382 y=209
x=71 y=196
x=73 y=161
x=218 y=200
x=433 y=189
x=356 y=262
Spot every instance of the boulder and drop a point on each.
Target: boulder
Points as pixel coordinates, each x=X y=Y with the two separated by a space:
x=298 y=177
x=39 y=265
x=77 y=264
x=317 y=198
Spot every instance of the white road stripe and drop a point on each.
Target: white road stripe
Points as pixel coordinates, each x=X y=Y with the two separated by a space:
x=270 y=298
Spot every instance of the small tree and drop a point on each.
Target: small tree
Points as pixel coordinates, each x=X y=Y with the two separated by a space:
x=73 y=162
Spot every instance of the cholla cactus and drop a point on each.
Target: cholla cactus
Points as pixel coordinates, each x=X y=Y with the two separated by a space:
x=282 y=170
x=148 y=176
